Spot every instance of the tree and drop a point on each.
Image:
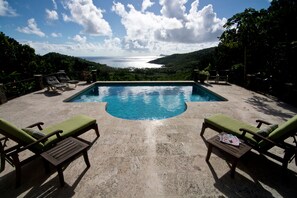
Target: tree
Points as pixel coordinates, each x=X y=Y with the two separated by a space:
x=245 y=33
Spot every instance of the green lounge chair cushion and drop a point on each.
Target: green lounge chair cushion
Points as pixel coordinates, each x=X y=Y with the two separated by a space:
x=265 y=131
x=69 y=127
x=19 y=134
x=232 y=126
x=282 y=131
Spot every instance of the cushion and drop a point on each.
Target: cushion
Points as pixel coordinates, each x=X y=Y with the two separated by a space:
x=70 y=127
x=232 y=126
x=265 y=131
x=34 y=133
x=282 y=132
x=17 y=134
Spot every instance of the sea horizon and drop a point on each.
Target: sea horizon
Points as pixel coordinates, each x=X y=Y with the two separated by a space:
x=125 y=61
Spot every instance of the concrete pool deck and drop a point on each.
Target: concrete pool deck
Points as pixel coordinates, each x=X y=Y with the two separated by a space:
x=163 y=158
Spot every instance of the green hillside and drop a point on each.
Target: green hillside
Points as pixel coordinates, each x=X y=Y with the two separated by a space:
x=197 y=59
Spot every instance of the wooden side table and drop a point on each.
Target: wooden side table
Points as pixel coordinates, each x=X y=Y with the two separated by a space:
x=236 y=152
x=66 y=151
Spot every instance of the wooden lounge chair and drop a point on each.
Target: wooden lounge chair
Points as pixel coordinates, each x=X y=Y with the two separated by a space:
x=63 y=78
x=53 y=83
x=74 y=126
x=255 y=137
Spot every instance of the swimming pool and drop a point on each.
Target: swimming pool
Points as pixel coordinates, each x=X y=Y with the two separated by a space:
x=145 y=101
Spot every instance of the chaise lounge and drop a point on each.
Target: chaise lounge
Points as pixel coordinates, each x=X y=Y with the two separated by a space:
x=63 y=78
x=53 y=83
x=259 y=139
x=40 y=140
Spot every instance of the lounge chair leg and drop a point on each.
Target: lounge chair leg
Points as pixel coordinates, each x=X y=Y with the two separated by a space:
x=208 y=152
x=18 y=172
x=46 y=166
x=61 y=176
x=96 y=129
x=203 y=129
x=86 y=159
x=233 y=167
x=287 y=158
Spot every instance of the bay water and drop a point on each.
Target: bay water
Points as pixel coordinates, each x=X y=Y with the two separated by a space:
x=126 y=61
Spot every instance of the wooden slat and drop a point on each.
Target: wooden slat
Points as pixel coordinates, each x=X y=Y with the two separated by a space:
x=64 y=150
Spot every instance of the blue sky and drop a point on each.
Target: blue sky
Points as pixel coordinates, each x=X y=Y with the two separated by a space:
x=119 y=27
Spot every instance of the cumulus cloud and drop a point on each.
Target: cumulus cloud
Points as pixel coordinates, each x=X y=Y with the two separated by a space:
x=113 y=43
x=141 y=27
x=31 y=28
x=80 y=39
x=175 y=24
x=198 y=26
x=55 y=4
x=86 y=14
x=51 y=14
x=173 y=8
x=6 y=10
x=109 y=47
x=146 y=4
x=55 y=35
x=176 y=28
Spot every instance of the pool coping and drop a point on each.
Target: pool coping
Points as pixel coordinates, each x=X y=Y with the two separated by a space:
x=223 y=99
x=144 y=83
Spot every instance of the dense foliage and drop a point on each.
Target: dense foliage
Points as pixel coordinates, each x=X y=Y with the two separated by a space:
x=20 y=62
x=263 y=41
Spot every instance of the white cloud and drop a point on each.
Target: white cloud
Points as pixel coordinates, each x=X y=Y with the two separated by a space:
x=31 y=28
x=110 y=47
x=86 y=14
x=199 y=26
x=51 y=14
x=80 y=39
x=173 y=8
x=174 y=29
x=146 y=4
x=141 y=27
x=147 y=31
x=55 y=35
x=113 y=44
x=55 y=4
x=6 y=10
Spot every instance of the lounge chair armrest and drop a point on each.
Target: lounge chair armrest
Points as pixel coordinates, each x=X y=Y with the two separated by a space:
x=38 y=124
x=260 y=122
x=244 y=131
x=57 y=133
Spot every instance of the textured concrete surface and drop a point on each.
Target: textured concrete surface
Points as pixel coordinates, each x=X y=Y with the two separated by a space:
x=164 y=158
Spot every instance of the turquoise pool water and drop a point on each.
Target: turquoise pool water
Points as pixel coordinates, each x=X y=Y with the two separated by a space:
x=145 y=101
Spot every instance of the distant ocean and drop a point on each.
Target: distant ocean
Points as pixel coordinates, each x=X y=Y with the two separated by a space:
x=126 y=61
